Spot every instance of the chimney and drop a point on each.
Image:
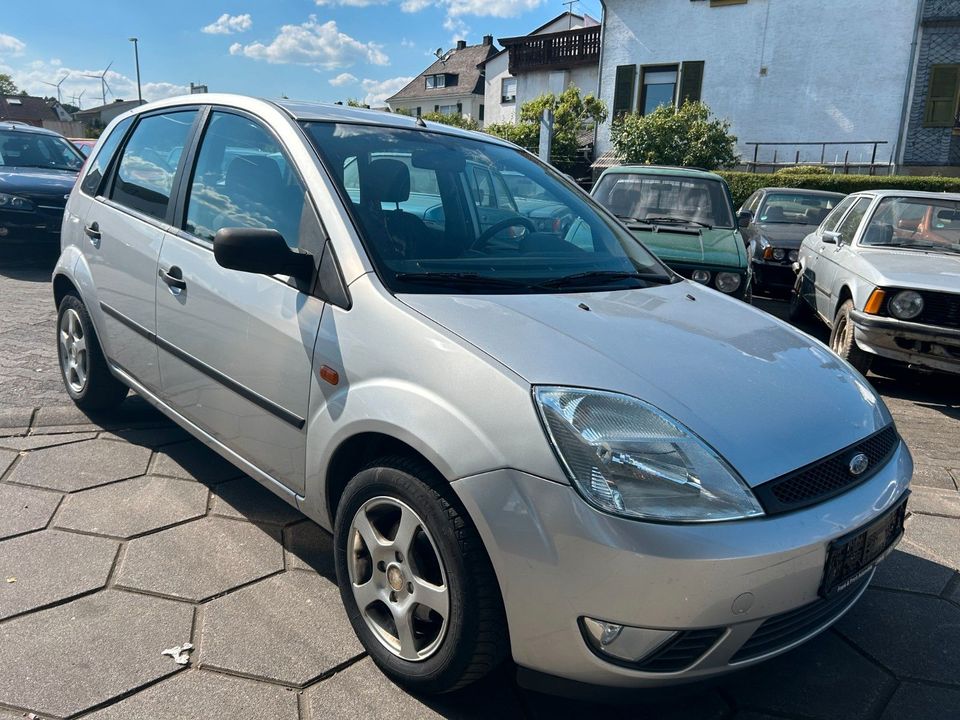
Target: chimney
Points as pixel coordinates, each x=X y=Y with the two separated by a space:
x=488 y=40
x=461 y=44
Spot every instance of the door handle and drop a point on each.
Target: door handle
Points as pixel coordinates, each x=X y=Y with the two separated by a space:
x=92 y=231
x=173 y=277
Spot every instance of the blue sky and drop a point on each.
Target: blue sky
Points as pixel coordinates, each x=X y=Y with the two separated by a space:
x=324 y=50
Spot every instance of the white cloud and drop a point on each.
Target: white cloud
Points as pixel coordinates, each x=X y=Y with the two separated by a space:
x=228 y=24
x=457 y=27
x=31 y=77
x=343 y=79
x=313 y=43
x=10 y=44
x=379 y=90
x=351 y=3
x=407 y=43
x=481 y=8
x=412 y=6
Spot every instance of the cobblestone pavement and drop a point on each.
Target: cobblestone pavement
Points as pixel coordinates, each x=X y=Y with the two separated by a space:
x=120 y=537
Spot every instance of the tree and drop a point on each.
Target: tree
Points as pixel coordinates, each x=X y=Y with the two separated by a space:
x=7 y=85
x=686 y=136
x=353 y=102
x=454 y=119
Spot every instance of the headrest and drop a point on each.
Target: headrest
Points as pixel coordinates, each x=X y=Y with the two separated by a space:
x=248 y=173
x=385 y=181
x=774 y=214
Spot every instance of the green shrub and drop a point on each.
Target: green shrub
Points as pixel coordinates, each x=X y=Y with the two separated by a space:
x=524 y=134
x=455 y=119
x=804 y=170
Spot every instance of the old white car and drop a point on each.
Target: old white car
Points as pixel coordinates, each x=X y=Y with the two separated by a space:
x=883 y=272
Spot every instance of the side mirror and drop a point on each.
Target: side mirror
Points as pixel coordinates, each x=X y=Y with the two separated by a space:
x=265 y=252
x=830 y=237
x=744 y=218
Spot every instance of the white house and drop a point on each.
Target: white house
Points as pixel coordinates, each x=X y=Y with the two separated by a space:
x=562 y=52
x=795 y=71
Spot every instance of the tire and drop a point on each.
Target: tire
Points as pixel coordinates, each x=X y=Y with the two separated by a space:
x=843 y=342
x=456 y=650
x=83 y=368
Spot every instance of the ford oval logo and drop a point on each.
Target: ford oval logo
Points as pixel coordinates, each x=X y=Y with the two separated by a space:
x=858 y=464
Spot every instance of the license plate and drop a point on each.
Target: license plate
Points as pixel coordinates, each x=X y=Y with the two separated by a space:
x=851 y=557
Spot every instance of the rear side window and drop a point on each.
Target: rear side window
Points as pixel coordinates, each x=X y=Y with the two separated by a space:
x=98 y=166
x=144 y=178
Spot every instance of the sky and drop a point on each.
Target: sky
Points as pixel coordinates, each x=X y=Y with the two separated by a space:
x=326 y=50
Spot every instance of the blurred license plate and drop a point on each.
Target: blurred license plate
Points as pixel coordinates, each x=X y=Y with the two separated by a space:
x=851 y=557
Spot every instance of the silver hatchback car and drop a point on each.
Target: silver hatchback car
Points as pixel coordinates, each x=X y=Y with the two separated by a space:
x=527 y=437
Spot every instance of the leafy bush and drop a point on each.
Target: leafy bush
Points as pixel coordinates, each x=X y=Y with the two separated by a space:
x=804 y=170
x=686 y=136
x=524 y=134
x=455 y=119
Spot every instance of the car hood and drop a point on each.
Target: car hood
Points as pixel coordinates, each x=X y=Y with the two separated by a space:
x=717 y=246
x=769 y=398
x=785 y=235
x=46 y=185
x=914 y=269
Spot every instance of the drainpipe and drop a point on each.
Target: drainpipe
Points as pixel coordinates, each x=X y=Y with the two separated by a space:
x=908 y=92
x=603 y=46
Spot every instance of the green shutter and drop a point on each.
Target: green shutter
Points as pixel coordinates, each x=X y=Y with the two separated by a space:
x=691 y=81
x=623 y=89
x=942 y=95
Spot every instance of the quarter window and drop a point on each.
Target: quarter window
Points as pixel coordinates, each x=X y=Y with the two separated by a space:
x=98 y=165
x=149 y=162
x=243 y=179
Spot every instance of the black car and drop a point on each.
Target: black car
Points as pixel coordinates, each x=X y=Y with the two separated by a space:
x=38 y=168
x=774 y=221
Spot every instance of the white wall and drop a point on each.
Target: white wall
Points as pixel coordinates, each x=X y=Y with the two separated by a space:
x=494 y=110
x=836 y=70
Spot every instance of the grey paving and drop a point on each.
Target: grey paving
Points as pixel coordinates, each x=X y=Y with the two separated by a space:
x=934 y=476
x=198 y=695
x=247 y=499
x=75 y=656
x=154 y=437
x=301 y=630
x=15 y=418
x=133 y=507
x=81 y=465
x=6 y=460
x=33 y=442
x=923 y=702
x=935 y=502
x=25 y=509
x=905 y=569
x=310 y=547
x=194 y=461
x=201 y=559
x=46 y=567
x=937 y=538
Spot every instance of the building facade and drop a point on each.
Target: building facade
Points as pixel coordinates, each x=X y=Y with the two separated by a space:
x=858 y=74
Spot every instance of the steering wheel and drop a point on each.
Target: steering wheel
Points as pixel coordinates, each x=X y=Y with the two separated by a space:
x=516 y=220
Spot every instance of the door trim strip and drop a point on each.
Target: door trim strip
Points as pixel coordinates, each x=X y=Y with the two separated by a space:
x=243 y=391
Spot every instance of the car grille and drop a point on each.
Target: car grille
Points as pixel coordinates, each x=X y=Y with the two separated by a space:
x=827 y=477
x=681 y=652
x=780 y=631
x=940 y=309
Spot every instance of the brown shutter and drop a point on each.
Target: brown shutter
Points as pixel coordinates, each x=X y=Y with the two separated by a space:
x=623 y=89
x=691 y=81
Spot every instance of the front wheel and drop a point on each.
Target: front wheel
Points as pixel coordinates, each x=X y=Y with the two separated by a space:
x=416 y=580
x=844 y=343
x=86 y=377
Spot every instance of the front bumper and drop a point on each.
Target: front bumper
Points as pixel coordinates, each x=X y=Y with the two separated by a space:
x=929 y=346
x=558 y=560
x=40 y=228
x=773 y=275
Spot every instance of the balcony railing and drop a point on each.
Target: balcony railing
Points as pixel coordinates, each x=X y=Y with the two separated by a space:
x=554 y=51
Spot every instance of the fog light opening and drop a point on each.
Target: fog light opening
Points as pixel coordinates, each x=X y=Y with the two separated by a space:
x=623 y=643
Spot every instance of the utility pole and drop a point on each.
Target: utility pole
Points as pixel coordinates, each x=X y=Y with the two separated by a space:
x=136 y=56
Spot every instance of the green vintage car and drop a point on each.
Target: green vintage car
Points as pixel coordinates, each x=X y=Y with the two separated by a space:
x=685 y=217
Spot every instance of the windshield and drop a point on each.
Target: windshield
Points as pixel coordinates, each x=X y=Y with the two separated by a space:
x=30 y=149
x=665 y=199
x=439 y=213
x=796 y=208
x=917 y=223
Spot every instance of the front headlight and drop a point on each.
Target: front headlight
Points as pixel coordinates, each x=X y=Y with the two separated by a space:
x=628 y=458
x=779 y=254
x=14 y=202
x=906 y=305
x=701 y=276
x=728 y=282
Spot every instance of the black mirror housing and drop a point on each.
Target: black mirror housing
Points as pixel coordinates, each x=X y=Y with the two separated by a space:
x=744 y=218
x=261 y=251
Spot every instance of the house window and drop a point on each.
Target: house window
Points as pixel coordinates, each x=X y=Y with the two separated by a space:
x=480 y=113
x=419 y=112
x=942 y=96
x=440 y=80
x=508 y=90
x=659 y=87
x=448 y=109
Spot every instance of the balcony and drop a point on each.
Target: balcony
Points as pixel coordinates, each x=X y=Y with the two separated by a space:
x=555 y=51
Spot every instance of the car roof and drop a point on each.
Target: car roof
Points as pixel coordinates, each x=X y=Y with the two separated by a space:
x=666 y=170
x=23 y=127
x=802 y=191
x=921 y=194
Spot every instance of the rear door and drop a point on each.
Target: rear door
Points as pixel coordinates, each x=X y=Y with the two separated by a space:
x=235 y=347
x=124 y=229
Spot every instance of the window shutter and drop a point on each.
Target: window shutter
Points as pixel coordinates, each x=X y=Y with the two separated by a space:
x=436 y=108
x=459 y=108
x=623 y=89
x=691 y=81
x=942 y=95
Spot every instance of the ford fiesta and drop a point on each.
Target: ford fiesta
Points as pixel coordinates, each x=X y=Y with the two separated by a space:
x=527 y=440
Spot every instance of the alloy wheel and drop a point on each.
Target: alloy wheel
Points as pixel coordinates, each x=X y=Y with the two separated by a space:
x=74 y=358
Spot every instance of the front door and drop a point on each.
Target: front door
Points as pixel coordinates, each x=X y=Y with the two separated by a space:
x=235 y=347
x=832 y=257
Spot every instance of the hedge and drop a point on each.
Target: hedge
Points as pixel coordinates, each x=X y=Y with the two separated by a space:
x=743 y=185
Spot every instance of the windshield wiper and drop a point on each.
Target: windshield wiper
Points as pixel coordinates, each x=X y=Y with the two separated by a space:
x=595 y=277
x=632 y=219
x=459 y=278
x=677 y=221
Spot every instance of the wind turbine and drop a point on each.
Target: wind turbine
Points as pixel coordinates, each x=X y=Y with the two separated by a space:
x=78 y=98
x=57 y=86
x=104 y=86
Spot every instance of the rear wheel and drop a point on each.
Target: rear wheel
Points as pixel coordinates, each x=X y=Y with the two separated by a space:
x=86 y=377
x=843 y=342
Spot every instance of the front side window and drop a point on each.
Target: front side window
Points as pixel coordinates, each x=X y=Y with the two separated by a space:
x=848 y=228
x=98 y=166
x=796 y=209
x=38 y=150
x=453 y=234
x=664 y=198
x=836 y=215
x=659 y=88
x=919 y=223
x=243 y=179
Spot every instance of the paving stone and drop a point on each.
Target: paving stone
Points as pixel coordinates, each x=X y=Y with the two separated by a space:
x=938 y=538
x=247 y=499
x=201 y=559
x=15 y=418
x=923 y=702
x=34 y=442
x=6 y=460
x=935 y=476
x=132 y=412
x=25 y=509
x=904 y=569
x=133 y=507
x=826 y=677
x=290 y=628
x=932 y=501
x=153 y=438
x=913 y=636
x=197 y=695
x=659 y=704
x=310 y=547
x=194 y=461
x=86 y=652
x=51 y=566
x=81 y=465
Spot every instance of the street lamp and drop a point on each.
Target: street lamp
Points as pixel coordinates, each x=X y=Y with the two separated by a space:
x=136 y=55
